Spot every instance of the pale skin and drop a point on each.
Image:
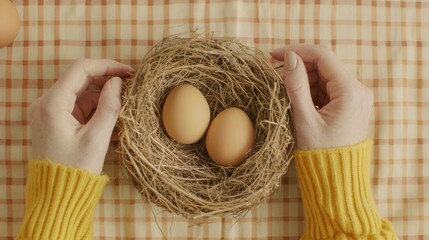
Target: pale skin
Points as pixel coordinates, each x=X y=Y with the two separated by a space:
x=72 y=123
x=66 y=129
x=331 y=108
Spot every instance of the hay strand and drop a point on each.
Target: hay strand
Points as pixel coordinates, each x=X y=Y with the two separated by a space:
x=182 y=178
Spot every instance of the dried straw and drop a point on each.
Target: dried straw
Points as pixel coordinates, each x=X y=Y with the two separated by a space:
x=182 y=178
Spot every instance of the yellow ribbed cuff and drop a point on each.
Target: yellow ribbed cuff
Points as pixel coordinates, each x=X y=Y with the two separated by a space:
x=60 y=201
x=336 y=190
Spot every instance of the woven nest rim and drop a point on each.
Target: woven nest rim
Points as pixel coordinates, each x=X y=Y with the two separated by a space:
x=182 y=178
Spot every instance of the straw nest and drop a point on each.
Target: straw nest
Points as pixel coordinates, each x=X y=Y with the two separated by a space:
x=182 y=178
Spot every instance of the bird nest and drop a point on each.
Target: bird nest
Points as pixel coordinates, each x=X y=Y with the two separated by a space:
x=182 y=178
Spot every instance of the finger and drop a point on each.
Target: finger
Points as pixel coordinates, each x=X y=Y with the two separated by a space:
x=85 y=105
x=325 y=100
x=310 y=66
x=329 y=66
x=80 y=74
x=313 y=78
x=109 y=105
x=297 y=86
x=77 y=77
x=99 y=81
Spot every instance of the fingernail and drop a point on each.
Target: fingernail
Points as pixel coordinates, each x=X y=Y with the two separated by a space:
x=130 y=68
x=290 y=61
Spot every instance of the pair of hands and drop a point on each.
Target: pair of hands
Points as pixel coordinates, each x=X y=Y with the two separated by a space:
x=72 y=124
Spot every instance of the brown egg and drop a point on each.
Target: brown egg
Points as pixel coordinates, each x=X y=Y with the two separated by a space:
x=9 y=23
x=229 y=137
x=186 y=114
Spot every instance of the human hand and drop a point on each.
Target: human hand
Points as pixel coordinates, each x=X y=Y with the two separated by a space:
x=72 y=123
x=331 y=108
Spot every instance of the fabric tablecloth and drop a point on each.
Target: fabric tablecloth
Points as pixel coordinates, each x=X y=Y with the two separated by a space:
x=386 y=43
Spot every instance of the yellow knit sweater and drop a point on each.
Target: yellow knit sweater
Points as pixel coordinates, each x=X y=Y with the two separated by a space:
x=336 y=192
x=60 y=202
x=335 y=187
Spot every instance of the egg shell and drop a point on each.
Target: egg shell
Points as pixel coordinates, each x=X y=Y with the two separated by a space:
x=186 y=114
x=229 y=137
x=9 y=22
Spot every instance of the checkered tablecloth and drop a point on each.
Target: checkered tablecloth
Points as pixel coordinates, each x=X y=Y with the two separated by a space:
x=385 y=42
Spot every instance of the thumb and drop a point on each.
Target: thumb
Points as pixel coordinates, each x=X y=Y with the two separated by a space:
x=297 y=85
x=109 y=105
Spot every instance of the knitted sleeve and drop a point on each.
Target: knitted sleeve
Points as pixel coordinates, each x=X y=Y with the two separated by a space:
x=336 y=190
x=60 y=202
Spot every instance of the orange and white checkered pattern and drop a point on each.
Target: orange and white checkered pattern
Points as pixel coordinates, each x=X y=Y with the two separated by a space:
x=385 y=42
